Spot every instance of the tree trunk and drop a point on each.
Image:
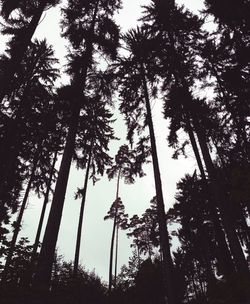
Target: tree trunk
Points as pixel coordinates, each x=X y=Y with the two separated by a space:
x=28 y=277
x=168 y=276
x=19 y=220
x=46 y=200
x=223 y=254
x=116 y=255
x=195 y=148
x=113 y=235
x=234 y=244
x=79 y=231
x=19 y=51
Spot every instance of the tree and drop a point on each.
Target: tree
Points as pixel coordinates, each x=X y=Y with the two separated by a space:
x=196 y=260
x=19 y=263
x=232 y=14
x=192 y=211
x=116 y=213
x=126 y=166
x=22 y=28
x=17 y=225
x=95 y=139
x=145 y=231
x=136 y=73
x=91 y=16
x=36 y=244
x=32 y=117
x=179 y=72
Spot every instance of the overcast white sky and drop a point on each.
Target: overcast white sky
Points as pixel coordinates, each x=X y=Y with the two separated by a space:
x=97 y=233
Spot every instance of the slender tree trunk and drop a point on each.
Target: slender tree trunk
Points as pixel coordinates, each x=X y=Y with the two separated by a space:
x=168 y=275
x=45 y=202
x=234 y=244
x=116 y=254
x=223 y=254
x=28 y=277
x=113 y=234
x=19 y=51
x=79 y=231
x=18 y=222
x=195 y=148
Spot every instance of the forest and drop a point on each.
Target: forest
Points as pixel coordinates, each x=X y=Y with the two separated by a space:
x=197 y=251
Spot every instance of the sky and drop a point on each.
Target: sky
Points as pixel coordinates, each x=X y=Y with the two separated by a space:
x=96 y=235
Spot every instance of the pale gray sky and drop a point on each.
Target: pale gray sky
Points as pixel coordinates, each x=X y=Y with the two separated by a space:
x=97 y=233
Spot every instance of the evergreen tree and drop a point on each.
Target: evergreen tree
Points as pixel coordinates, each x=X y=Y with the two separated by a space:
x=22 y=28
x=95 y=138
x=137 y=77
x=88 y=26
x=182 y=75
x=32 y=117
x=117 y=213
x=127 y=165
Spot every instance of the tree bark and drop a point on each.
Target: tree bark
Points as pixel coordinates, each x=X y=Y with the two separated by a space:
x=168 y=276
x=79 y=231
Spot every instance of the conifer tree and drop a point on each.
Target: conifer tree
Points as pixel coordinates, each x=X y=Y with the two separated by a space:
x=126 y=165
x=137 y=77
x=182 y=75
x=22 y=28
x=88 y=26
x=94 y=158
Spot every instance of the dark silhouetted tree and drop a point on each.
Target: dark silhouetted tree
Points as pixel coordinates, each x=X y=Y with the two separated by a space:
x=137 y=77
x=88 y=26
